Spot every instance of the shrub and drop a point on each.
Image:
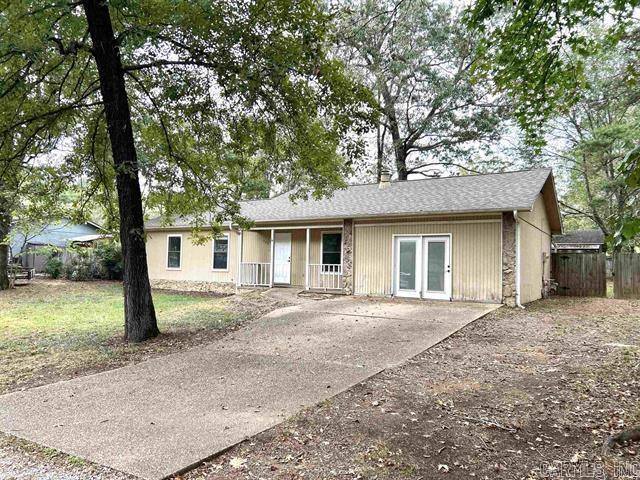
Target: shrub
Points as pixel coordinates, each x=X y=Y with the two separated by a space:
x=109 y=257
x=80 y=265
x=53 y=267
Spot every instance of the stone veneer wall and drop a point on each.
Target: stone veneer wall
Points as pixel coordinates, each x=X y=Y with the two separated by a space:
x=347 y=257
x=193 y=286
x=508 y=259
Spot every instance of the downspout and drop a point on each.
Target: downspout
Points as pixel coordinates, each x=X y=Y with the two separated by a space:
x=515 y=216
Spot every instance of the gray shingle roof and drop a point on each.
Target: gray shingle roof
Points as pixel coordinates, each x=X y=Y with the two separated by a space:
x=595 y=237
x=472 y=193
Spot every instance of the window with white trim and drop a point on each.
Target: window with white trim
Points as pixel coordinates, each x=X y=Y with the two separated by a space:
x=221 y=253
x=174 y=251
x=331 y=249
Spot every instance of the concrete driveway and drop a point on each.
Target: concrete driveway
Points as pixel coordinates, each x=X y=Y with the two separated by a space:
x=162 y=416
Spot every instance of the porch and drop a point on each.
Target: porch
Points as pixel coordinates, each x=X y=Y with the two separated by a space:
x=310 y=257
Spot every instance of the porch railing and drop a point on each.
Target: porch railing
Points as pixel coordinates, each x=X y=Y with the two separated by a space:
x=255 y=274
x=325 y=276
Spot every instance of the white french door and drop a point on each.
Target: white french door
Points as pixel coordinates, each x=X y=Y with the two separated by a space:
x=408 y=251
x=436 y=282
x=422 y=266
x=282 y=258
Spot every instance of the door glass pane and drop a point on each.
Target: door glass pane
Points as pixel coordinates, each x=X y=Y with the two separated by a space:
x=435 y=275
x=407 y=265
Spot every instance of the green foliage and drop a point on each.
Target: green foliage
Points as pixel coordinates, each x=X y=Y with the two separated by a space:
x=539 y=52
x=220 y=92
x=109 y=256
x=417 y=57
x=589 y=144
x=54 y=267
x=80 y=265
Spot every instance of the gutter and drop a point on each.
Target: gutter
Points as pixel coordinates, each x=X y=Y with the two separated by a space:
x=517 y=219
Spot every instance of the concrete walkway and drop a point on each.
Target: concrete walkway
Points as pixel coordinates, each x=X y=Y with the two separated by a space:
x=161 y=416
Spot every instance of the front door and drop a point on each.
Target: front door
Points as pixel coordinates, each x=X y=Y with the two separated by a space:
x=282 y=258
x=436 y=268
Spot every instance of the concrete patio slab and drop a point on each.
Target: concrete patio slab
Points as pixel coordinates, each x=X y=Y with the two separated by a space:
x=161 y=416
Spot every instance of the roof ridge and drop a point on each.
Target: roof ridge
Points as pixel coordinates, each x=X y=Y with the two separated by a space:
x=365 y=184
x=455 y=176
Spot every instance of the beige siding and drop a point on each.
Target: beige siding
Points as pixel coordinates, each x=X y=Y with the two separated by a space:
x=475 y=249
x=535 y=249
x=256 y=246
x=197 y=260
x=298 y=256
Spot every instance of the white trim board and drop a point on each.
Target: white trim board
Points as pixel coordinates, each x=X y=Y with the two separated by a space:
x=437 y=222
x=296 y=227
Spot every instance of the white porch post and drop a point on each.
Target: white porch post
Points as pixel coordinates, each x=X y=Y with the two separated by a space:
x=239 y=279
x=273 y=245
x=307 y=282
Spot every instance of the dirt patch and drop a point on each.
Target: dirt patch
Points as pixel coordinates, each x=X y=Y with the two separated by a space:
x=517 y=395
x=20 y=460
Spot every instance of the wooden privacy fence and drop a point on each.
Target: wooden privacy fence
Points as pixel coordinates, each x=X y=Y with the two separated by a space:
x=626 y=275
x=580 y=274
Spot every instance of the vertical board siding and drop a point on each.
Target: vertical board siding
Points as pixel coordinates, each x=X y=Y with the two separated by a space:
x=535 y=251
x=197 y=260
x=475 y=257
x=256 y=246
x=580 y=274
x=298 y=256
x=626 y=279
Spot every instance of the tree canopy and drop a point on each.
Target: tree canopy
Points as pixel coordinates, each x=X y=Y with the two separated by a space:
x=538 y=51
x=189 y=96
x=213 y=88
x=418 y=59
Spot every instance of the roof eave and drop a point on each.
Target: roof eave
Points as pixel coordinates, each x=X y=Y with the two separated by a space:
x=363 y=217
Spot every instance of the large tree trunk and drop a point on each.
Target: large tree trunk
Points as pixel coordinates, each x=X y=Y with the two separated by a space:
x=5 y=225
x=399 y=150
x=380 y=132
x=140 y=316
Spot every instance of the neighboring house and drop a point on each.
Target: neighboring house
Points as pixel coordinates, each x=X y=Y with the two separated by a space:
x=25 y=245
x=479 y=238
x=579 y=241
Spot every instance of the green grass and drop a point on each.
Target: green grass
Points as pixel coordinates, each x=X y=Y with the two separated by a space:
x=85 y=313
x=53 y=328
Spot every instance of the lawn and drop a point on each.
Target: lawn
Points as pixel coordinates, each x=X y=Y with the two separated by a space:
x=51 y=330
